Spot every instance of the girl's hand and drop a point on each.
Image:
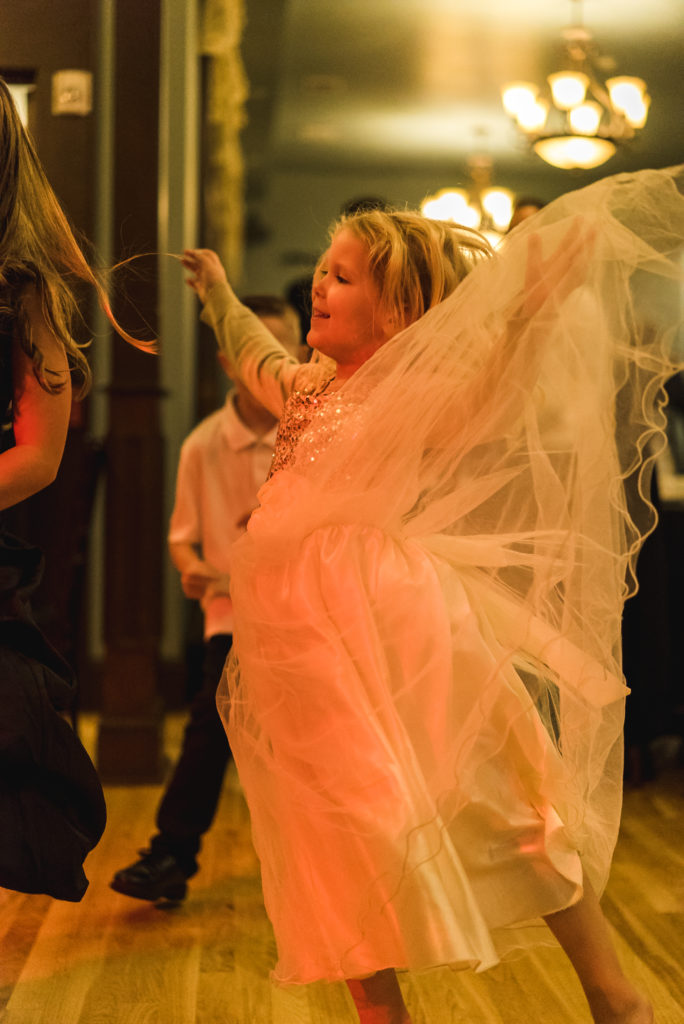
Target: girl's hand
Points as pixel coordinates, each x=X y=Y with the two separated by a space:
x=206 y=268
x=561 y=272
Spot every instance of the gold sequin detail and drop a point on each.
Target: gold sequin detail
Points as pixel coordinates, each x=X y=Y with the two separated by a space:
x=309 y=421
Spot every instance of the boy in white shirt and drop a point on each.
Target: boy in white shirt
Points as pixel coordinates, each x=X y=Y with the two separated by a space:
x=222 y=464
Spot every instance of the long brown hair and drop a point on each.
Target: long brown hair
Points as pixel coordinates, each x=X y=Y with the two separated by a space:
x=37 y=246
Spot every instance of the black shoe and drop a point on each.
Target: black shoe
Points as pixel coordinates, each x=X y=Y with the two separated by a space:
x=156 y=876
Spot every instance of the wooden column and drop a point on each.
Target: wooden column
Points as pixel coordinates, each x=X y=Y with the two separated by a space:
x=129 y=747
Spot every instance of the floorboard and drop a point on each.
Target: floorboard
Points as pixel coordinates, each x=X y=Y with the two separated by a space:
x=112 y=960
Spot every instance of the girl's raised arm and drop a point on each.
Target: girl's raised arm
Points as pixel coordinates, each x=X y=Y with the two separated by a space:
x=264 y=366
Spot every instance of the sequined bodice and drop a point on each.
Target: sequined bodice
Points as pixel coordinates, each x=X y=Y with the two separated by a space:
x=309 y=420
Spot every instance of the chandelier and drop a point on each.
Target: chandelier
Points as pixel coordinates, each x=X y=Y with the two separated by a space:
x=481 y=205
x=577 y=119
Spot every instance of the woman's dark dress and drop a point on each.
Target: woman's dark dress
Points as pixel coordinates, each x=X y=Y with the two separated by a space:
x=52 y=809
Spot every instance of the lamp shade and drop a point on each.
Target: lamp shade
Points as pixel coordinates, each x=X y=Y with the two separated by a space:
x=578 y=119
x=451 y=205
x=498 y=204
x=568 y=88
x=532 y=117
x=585 y=119
x=628 y=95
x=568 y=151
x=518 y=95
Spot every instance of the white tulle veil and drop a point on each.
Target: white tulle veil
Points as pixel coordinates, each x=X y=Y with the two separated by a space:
x=516 y=451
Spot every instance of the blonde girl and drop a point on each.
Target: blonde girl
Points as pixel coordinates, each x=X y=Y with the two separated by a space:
x=425 y=702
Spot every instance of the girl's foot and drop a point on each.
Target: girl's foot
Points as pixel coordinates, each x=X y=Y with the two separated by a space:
x=632 y=1009
x=382 y=1015
x=378 y=999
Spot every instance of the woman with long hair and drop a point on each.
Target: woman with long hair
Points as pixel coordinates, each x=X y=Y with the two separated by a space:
x=51 y=805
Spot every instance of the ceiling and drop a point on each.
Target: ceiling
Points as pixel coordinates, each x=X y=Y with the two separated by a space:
x=402 y=84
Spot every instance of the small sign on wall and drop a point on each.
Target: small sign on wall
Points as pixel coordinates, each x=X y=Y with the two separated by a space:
x=72 y=92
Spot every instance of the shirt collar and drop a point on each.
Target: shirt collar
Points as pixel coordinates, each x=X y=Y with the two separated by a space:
x=238 y=434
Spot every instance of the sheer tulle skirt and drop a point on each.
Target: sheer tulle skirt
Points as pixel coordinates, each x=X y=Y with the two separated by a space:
x=427 y=701
x=409 y=801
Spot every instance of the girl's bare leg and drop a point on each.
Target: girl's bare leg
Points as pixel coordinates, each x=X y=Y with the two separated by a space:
x=378 y=999
x=583 y=932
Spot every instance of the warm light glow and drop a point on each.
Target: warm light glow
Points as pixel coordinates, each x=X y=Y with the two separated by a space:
x=586 y=118
x=567 y=151
x=636 y=115
x=471 y=218
x=568 y=88
x=532 y=118
x=498 y=203
x=625 y=90
x=490 y=212
x=452 y=205
x=517 y=96
x=628 y=95
x=495 y=238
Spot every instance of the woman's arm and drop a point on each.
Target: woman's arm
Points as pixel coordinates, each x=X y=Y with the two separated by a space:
x=266 y=369
x=40 y=418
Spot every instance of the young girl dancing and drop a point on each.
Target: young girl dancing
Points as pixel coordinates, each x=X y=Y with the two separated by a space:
x=425 y=702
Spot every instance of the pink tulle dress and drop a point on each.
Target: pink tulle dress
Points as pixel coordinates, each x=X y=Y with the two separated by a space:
x=426 y=700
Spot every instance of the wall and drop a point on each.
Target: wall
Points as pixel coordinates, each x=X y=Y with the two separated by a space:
x=44 y=37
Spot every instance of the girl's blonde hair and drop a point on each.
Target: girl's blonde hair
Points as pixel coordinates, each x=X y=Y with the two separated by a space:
x=415 y=261
x=37 y=246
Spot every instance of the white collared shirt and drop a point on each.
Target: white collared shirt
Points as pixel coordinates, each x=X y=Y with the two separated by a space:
x=222 y=465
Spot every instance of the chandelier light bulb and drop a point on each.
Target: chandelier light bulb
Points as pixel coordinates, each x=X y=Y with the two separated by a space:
x=585 y=119
x=637 y=114
x=498 y=203
x=449 y=204
x=532 y=117
x=489 y=211
x=433 y=207
x=628 y=95
x=471 y=217
x=568 y=88
x=625 y=91
x=517 y=96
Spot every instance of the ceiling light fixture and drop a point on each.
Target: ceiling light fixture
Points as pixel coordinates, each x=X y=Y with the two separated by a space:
x=578 y=120
x=482 y=206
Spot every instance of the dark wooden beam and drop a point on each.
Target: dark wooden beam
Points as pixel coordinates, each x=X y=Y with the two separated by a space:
x=129 y=747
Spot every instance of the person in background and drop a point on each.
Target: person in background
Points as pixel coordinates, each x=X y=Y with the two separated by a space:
x=52 y=809
x=222 y=464
x=525 y=207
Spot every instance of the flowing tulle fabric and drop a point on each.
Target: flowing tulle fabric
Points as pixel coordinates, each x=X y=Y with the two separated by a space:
x=427 y=700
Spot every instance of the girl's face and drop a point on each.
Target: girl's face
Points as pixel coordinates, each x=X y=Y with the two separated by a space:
x=348 y=322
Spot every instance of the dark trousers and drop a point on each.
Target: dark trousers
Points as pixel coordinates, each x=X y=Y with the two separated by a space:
x=189 y=803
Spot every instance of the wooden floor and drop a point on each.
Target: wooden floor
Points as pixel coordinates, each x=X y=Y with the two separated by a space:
x=113 y=960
